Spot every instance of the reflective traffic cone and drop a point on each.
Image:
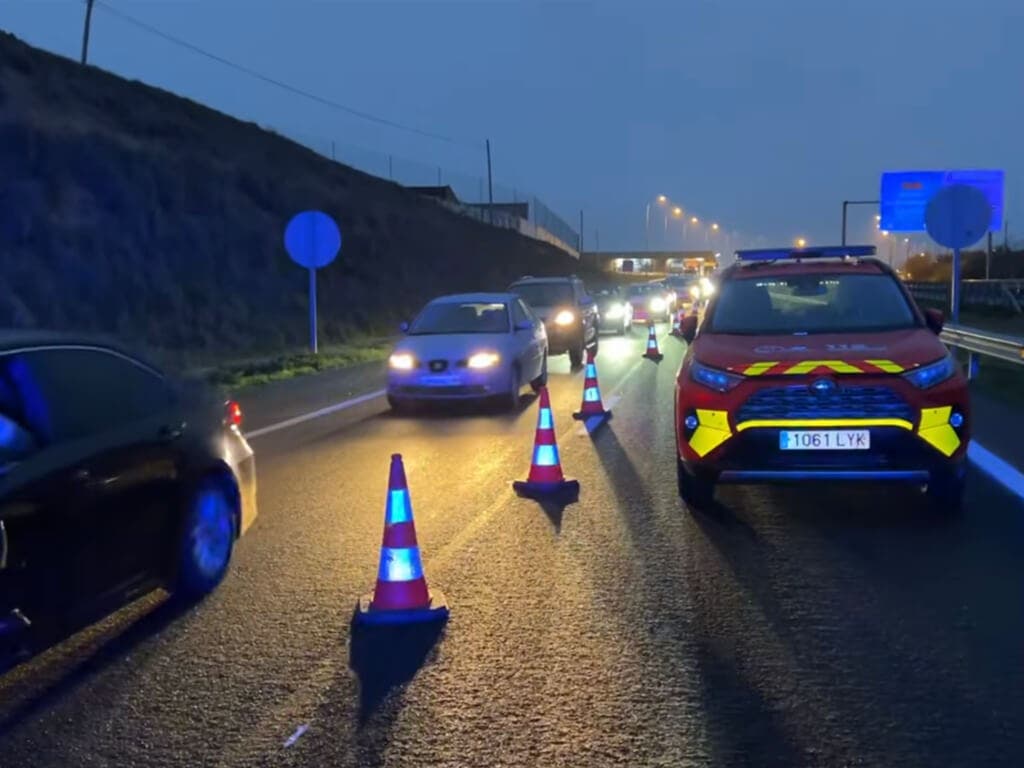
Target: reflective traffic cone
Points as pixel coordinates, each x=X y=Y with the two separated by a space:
x=592 y=405
x=677 y=324
x=652 y=352
x=401 y=595
x=546 y=478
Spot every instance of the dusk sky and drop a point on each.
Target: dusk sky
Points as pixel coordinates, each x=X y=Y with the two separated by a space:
x=760 y=115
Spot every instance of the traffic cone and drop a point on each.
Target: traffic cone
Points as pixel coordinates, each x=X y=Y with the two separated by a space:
x=546 y=478
x=677 y=324
x=652 y=352
x=401 y=595
x=592 y=405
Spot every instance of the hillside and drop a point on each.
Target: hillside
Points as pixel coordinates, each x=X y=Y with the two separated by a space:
x=129 y=211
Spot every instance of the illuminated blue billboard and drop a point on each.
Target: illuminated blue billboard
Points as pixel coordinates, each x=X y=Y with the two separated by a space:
x=905 y=196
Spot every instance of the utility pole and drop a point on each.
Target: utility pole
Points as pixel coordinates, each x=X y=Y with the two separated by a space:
x=85 y=32
x=581 y=230
x=490 y=185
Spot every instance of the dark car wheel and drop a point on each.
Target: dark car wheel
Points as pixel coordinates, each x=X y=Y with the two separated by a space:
x=208 y=536
x=542 y=379
x=945 y=492
x=697 y=490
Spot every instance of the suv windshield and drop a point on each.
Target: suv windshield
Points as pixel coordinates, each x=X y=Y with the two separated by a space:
x=461 y=317
x=811 y=304
x=544 y=294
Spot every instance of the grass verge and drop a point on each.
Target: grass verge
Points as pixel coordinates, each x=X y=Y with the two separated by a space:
x=252 y=373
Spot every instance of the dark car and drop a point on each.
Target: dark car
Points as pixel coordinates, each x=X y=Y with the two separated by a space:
x=817 y=365
x=569 y=314
x=615 y=311
x=114 y=480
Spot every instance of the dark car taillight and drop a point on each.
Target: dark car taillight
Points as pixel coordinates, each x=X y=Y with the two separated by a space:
x=232 y=414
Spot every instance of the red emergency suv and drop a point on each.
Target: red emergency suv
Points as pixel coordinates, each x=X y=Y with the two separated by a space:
x=816 y=364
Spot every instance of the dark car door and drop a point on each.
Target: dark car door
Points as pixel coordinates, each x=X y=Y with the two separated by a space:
x=588 y=310
x=110 y=432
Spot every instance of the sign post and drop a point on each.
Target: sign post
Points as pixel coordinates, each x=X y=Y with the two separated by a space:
x=312 y=239
x=957 y=217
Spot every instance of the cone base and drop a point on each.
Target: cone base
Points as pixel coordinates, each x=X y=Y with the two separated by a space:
x=583 y=415
x=435 y=610
x=656 y=358
x=569 y=489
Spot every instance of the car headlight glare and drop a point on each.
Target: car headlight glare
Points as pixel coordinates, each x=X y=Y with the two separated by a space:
x=695 y=291
x=712 y=378
x=565 y=317
x=483 y=360
x=615 y=311
x=927 y=376
x=707 y=288
x=658 y=304
x=402 y=361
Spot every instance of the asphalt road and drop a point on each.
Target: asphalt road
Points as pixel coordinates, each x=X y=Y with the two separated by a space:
x=824 y=628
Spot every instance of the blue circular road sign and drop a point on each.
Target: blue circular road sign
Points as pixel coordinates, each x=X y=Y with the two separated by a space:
x=958 y=216
x=312 y=239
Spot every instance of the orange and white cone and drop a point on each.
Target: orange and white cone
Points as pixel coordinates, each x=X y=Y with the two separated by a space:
x=401 y=595
x=592 y=405
x=652 y=352
x=545 y=478
x=677 y=324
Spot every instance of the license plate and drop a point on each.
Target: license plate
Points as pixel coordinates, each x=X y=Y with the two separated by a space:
x=439 y=381
x=824 y=439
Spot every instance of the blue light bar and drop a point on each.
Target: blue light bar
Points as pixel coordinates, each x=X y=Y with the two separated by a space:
x=810 y=252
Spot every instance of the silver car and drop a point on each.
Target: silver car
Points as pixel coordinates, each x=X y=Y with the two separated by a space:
x=469 y=346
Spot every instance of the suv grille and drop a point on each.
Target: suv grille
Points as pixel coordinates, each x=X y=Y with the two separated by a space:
x=800 y=402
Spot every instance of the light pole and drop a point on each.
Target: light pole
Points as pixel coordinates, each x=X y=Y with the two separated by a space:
x=853 y=202
x=85 y=31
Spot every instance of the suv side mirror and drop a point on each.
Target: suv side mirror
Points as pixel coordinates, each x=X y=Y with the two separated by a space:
x=404 y=327
x=524 y=325
x=587 y=301
x=934 y=319
x=688 y=328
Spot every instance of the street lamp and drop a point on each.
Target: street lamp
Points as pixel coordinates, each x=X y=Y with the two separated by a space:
x=801 y=243
x=714 y=227
x=677 y=212
x=662 y=199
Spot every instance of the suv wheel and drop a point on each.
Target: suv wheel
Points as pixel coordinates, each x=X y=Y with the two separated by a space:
x=576 y=356
x=697 y=490
x=945 y=492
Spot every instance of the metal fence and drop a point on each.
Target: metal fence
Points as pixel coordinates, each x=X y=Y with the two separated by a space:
x=1001 y=295
x=542 y=223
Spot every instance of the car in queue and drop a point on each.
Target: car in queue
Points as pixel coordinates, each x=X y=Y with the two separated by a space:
x=615 y=312
x=650 y=303
x=817 y=365
x=568 y=312
x=469 y=346
x=115 y=480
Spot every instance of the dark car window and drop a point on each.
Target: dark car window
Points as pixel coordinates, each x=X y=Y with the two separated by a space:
x=811 y=303
x=66 y=393
x=544 y=294
x=445 y=317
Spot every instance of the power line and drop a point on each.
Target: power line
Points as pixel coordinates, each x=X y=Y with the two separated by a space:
x=280 y=84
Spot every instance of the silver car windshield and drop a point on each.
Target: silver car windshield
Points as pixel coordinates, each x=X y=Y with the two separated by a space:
x=461 y=317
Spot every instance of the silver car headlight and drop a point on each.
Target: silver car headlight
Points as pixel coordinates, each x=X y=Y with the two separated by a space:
x=483 y=360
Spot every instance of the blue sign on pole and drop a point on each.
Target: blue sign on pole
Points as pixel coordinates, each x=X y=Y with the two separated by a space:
x=905 y=196
x=312 y=239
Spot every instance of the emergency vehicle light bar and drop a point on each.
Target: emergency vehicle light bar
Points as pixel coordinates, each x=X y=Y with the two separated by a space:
x=810 y=252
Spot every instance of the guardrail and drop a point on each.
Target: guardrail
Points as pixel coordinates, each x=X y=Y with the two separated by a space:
x=1005 y=295
x=977 y=342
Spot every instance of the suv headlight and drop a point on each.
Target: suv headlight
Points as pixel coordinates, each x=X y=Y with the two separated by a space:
x=928 y=376
x=712 y=378
x=565 y=317
x=402 y=361
x=658 y=304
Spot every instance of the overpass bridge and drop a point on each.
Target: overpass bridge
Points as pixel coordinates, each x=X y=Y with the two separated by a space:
x=649 y=261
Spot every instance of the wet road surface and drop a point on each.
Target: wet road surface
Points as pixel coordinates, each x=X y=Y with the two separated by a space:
x=825 y=627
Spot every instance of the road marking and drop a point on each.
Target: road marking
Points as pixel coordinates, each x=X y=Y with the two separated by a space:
x=296 y=736
x=315 y=414
x=998 y=469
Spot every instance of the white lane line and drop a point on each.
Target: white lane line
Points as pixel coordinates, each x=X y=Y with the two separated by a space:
x=296 y=736
x=998 y=469
x=315 y=414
